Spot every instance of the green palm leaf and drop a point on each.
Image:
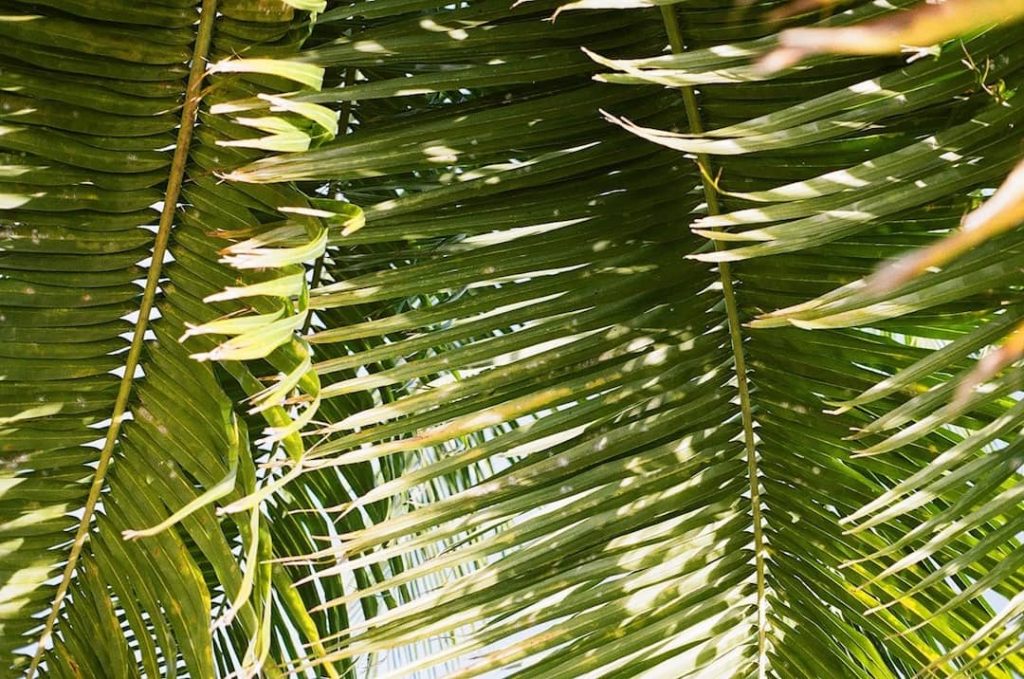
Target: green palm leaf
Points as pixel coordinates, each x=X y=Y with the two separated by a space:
x=69 y=277
x=514 y=413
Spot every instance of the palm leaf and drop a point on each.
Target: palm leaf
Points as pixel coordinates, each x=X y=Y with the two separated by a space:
x=538 y=425
x=90 y=165
x=635 y=422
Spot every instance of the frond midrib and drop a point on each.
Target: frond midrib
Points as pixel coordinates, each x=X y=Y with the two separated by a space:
x=692 y=107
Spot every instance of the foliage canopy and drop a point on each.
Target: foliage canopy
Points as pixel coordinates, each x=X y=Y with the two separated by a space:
x=402 y=337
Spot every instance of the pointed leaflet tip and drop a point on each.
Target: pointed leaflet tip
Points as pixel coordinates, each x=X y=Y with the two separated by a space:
x=839 y=409
x=716 y=257
x=594 y=56
x=610 y=117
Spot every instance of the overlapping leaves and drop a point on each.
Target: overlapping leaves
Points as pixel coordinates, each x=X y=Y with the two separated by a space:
x=549 y=419
x=92 y=94
x=585 y=357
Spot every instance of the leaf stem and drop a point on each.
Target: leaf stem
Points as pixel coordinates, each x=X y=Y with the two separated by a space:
x=174 y=182
x=736 y=339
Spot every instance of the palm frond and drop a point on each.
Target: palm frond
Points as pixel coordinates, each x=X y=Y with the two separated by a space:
x=98 y=89
x=579 y=345
x=595 y=381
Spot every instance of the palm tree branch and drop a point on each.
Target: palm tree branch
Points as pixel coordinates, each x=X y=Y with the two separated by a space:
x=528 y=443
x=176 y=174
x=693 y=115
